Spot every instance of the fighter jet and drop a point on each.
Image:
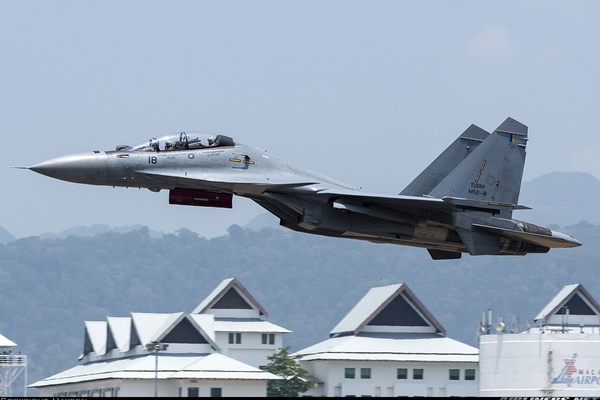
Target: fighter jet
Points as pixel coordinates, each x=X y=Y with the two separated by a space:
x=461 y=203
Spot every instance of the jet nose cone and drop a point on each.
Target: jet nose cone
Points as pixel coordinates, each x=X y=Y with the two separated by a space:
x=87 y=168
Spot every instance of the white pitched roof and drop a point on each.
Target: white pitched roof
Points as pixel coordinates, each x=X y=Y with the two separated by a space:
x=389 y=324
x=6 y=342
x=149 y=326
x=216 y=292
x=154 y=327
x=206 y=322
x=212 y=366
x=390 y=347
x=376 y=301
x=96 y=332
x=568 y=295
x=221 y=290
x=120 y=327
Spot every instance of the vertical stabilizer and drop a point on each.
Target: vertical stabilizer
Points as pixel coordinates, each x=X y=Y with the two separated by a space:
x=431 y=176
x=493 y=171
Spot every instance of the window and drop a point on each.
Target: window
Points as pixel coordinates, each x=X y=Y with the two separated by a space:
x=193 y=392
x=418 y=373
x=365 y=373
x=235 y=338
x=268 y=338
x=349 y=373
x=402 y=373
x=454 y=374
x=469 y=374
x=216 y=392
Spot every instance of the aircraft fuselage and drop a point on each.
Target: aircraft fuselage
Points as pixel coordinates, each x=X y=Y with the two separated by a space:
x=200 y=174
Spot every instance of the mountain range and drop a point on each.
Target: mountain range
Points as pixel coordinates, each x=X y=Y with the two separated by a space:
x=306 y=283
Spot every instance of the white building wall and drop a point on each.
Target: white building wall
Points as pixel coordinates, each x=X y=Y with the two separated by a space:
x=251 y=351
x=166 y=388
x=384 y=382
x=230 y=388
x=535 y=364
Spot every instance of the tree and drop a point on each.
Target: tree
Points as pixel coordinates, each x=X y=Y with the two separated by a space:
x=292 y=382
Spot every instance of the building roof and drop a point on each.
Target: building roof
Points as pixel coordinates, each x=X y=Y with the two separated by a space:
x=230 y=293
x=118 y=333
x=573 y=300
x=389 y=324
x=211 y=366
x=192 y=354
x=6 y=342
x=95 y=337
x=390 y=347
x=388 y=306
x=127 y=332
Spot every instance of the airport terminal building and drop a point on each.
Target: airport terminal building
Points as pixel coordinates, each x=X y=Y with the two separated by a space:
x=388 y=344
x=215 y=351
x=560 y=357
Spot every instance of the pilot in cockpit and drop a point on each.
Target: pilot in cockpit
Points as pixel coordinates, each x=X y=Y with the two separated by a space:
x=151 y=146
x=212 y=141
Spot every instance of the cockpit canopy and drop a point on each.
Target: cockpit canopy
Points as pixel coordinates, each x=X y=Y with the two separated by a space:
x=181 y=141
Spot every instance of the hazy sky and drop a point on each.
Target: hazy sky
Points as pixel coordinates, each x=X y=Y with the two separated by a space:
x=367 y=92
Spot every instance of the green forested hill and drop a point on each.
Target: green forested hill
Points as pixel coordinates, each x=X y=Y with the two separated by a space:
x=306 y=283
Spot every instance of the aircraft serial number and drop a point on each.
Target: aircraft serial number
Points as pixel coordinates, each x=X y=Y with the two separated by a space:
x=478 y=192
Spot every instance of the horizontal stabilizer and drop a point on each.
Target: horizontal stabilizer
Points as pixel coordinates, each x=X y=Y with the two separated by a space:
x=554 y=240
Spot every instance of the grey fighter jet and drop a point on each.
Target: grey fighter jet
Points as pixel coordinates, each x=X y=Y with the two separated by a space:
x=461 y=203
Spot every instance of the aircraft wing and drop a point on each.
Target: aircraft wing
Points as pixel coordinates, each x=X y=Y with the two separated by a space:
x=225 y=184
x=446 y=204
x=386 y=206
x=396 y=202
